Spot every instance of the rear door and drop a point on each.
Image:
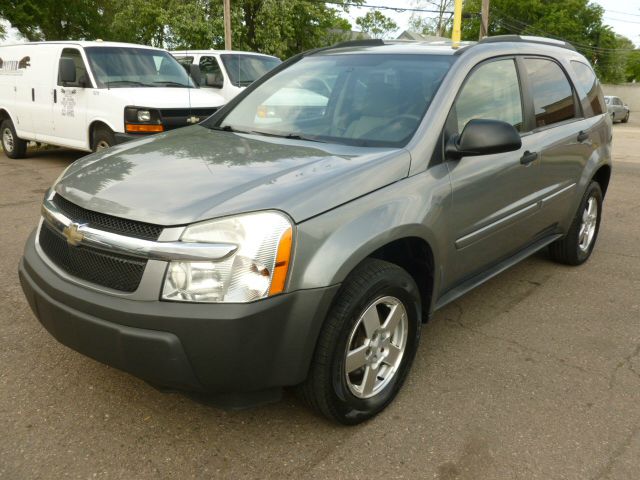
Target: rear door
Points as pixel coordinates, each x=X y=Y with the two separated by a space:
x=494 y=197
x=563 y=134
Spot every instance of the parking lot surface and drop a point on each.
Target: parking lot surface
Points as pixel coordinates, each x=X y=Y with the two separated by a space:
x=534 y=375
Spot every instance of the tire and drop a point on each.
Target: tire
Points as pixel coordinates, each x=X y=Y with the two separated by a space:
x=13 y=146
x=377 y=288
x=626 y=118
x=575 y=248
x=103 y=138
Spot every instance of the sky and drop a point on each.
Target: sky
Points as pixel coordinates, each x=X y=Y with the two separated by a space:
x=622 y=15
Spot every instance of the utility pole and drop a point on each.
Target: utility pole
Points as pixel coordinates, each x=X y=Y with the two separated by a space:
x=484 y=22
x=227 y=24
x=456 y=34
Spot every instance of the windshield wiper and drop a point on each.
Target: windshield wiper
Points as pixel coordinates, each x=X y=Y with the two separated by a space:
x=291 y=136
x=169 y=83
x=127 y=82
x=228 y=128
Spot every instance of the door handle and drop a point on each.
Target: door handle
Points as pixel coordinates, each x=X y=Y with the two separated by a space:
x=55 y=95
x=582 y=136
x=528 y=157
x=33 y=94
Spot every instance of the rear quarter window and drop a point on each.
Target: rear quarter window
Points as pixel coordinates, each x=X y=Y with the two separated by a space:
x=589 y=88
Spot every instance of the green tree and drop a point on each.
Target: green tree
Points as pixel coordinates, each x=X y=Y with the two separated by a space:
x=633 y=67
x=376 y=24
x=437 y=23
x=58 y=20
x=576 y=21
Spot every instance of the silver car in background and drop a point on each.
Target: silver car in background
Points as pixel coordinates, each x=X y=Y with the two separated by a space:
x=618 y=110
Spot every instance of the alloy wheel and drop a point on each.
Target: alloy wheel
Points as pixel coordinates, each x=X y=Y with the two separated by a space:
x=589 y=224
x=376 y=346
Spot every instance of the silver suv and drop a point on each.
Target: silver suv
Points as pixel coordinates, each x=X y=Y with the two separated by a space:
x=301 y=235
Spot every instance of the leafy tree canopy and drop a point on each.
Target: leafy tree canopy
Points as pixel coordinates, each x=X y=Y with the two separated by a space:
x=279 y=27
x=577 y=21
x=376 y=24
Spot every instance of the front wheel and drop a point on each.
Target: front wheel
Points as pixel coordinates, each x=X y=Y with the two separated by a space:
x=626 y=118
x=13 y=146
x=103 y=138
x=576 y=246
x=367 y=344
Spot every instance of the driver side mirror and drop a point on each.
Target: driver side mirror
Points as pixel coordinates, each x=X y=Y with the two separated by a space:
x=67 y=69
x=483 y=137
x=194 y=71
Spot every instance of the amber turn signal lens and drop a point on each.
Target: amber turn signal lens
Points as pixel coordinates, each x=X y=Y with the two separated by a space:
x=135 y=128
x=282 y=263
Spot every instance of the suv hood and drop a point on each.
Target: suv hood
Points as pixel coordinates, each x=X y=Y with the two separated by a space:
x=195 y=173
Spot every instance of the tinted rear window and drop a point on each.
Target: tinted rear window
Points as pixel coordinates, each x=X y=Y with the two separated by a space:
x=553 y=100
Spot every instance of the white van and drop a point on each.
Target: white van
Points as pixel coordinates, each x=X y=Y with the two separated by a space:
x=227 y=72
x=92 y=95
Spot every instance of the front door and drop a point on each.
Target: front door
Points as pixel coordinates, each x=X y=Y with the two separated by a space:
x=70 y=104
x=495 y=198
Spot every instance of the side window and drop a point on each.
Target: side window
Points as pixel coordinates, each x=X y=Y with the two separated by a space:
x=492 y=92
x=553 y=99
x=587 y=81
x=211 y=73
x=82 y=78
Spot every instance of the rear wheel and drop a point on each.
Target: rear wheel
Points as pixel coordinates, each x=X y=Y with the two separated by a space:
x=626 y=118
x=576 y=247
x=13 y=146
x=367 y=344
x=103 y=138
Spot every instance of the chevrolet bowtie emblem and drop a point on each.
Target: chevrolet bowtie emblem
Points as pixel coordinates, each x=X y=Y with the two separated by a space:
x=72 y=233
x=193 y=119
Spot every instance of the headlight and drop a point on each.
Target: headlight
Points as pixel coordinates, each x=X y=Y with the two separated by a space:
x=257 y=269
x=144 y=116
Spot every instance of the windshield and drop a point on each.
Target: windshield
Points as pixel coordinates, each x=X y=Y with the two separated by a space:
x=246 y=69
x=354 y=99
x=125 y=67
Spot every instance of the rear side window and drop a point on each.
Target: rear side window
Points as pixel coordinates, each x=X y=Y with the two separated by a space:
x=553 y=99
x=492 y=92
x=591 y=93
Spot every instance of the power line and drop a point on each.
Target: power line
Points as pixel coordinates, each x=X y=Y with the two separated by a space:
x=523 y=25
x=620 y=20
x=384 y=7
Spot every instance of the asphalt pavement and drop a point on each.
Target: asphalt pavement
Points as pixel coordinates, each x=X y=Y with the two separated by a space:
x=534 y=375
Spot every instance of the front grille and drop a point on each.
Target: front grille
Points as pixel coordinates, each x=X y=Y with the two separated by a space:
x=130 y=228
x=119 y=272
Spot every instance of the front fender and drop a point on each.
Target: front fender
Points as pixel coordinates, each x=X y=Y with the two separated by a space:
x=331 y=245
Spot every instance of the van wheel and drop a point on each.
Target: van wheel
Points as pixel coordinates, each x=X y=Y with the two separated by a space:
x=13 y=146
x=576 y=246
x=103 y=138
x=367 y=344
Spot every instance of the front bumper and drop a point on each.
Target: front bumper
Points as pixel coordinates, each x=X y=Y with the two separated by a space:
x=216 y=348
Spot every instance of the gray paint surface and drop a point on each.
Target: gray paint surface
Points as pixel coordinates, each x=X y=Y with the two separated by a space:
x=347 y=202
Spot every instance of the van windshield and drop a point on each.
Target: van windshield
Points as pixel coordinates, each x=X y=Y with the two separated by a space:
x=353 y=99
x=246 y=69
x=126 y=67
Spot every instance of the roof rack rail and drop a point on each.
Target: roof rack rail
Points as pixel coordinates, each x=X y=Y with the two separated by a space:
x=367 y=42
x=528 y=39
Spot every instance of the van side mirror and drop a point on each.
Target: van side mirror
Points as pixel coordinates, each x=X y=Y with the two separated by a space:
x=213 y=80
x=67 y=71
x=194 y=71
x=483 y=137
